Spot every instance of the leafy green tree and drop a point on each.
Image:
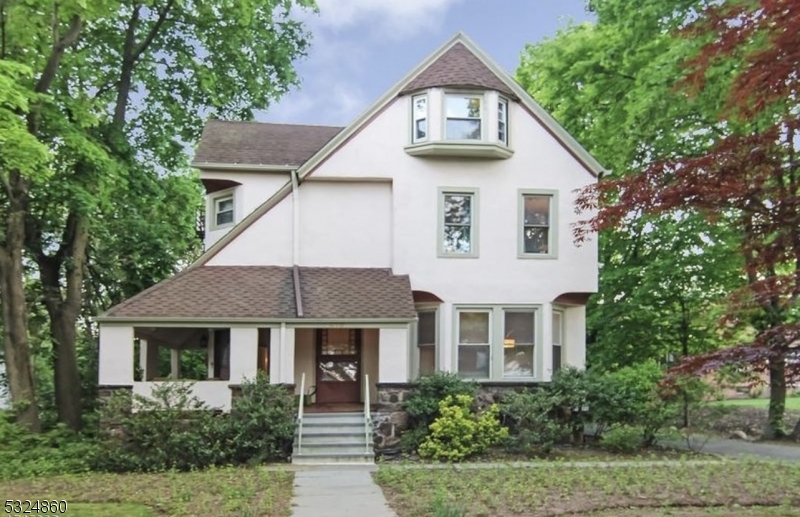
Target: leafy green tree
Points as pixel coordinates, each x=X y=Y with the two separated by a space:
x=612 y=85
x=129 y=87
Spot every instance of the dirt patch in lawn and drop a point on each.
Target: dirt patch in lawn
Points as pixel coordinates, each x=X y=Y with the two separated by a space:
x=218 y=492
x=555 y=489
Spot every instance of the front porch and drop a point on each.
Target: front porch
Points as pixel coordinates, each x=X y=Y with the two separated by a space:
x=337 y=367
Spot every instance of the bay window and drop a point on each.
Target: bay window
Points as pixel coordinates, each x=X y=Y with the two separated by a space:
x=419 y=118
x=502 y=121
x=474 y=344
x=519 y=339
x=558 y=337
x=426 y=342
x=463 y=117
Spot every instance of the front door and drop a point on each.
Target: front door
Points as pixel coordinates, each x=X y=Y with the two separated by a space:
x=338 y=365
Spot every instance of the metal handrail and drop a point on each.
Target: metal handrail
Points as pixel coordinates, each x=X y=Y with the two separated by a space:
x=300 y=413
x=367 y=416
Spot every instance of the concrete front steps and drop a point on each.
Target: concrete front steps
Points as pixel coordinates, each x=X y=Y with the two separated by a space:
x=332 y=438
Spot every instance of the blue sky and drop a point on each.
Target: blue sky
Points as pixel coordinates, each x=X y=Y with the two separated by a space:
x=362 y=47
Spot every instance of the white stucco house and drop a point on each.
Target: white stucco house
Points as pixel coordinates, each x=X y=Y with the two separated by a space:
x=432 y=233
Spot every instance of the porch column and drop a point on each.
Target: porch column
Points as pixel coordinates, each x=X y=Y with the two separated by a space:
x=393 y=355
x=287 y=357
x=143 y=354
x=544 y=372
x=174 y=363
x=575 y=337
x=275 y=355
x=244 y=354
x=116 y=356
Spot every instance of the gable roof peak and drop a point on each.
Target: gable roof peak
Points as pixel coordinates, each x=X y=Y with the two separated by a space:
x=457 y=64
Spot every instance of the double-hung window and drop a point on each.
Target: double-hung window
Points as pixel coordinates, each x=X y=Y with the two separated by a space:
x=223 y=211
x=419 y=118
x=519 y=341
x=502 y=121
x=474 y=344
x=426 y=342
x=463 y=117
x=558 y=338
x=537 y=226
x=458 y=223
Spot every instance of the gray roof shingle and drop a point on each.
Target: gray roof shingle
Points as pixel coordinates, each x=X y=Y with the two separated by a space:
x=457 y=67
x=259 y=143
x=235 y=292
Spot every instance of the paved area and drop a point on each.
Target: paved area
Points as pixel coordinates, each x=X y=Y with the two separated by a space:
x=338 y=491
x=744 y=449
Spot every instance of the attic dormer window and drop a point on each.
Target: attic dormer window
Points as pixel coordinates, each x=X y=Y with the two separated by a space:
x=464 y=115
x=419 y=118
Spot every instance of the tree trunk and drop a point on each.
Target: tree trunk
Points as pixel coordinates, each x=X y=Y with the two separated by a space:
x=777 y=399
x=64 y=309
x=15 y=317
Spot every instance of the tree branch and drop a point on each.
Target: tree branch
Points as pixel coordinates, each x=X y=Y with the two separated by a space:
x=162 y=17
x=50 y=69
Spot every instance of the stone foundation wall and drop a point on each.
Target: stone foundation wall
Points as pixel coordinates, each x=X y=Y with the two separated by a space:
x=390 y=420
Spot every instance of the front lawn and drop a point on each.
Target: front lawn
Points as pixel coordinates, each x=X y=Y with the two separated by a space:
x=792 y=403
x=560 y=489
x=218 y=492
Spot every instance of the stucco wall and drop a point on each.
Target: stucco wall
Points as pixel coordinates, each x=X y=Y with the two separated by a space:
x=216 y=394
x=304 y=358
x=267 y=242
x=254 y=189
x=345 y=224
x=369 y=362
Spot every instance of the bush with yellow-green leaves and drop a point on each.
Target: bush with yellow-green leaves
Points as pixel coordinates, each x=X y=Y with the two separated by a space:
x=460 y=432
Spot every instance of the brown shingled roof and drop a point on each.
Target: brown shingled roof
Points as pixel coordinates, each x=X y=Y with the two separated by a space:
x=235 y=292
x=258 y=143
x=457 y=67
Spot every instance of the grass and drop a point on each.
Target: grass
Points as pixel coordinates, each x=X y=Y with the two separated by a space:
x=217 y=492
x=792 y=403
x=559 y=489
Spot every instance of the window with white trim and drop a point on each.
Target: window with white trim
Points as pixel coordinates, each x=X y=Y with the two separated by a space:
x=426 y=342
x=519 y=340
x=223 y=211
x=458 y=230
x=536 y=228
x=502 y=120
x=558 y=337
x=419 y=118
x=463 y=116
x=474 y=344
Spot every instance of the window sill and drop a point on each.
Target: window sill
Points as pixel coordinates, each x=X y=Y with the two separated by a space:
x=537 y=256
x=463 y=149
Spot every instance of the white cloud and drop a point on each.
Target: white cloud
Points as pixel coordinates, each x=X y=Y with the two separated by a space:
x=391 y=18
x=346 y=36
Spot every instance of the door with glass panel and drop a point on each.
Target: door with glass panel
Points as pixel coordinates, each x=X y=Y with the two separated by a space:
x=338 y=365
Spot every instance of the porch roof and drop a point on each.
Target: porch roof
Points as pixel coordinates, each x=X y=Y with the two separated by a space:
x=274 y=293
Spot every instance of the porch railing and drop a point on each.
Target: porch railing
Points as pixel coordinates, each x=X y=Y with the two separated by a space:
x=300 y=413
x=367 y=415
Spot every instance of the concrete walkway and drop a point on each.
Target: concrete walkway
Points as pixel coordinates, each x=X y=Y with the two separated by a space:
x=743 y=449
x=338 y=491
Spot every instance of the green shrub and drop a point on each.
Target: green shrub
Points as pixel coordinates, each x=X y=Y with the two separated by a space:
x=444 y=509
x=173 y=429
x=460 y=432
x=624 y=438
x=422 y=404
x=58 y=451
x=531 y=418
x=631 y=396
x=263 y=422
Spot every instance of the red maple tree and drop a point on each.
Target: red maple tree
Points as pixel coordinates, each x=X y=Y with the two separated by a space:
x=750 y=178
